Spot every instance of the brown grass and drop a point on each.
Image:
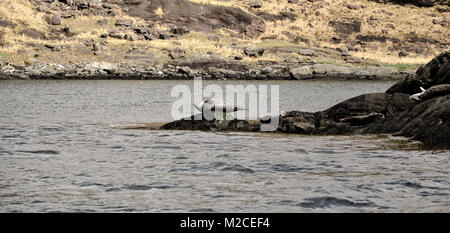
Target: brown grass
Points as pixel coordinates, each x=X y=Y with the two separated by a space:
x=408 y=20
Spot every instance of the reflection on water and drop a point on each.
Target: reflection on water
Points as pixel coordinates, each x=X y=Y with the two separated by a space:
x=62 y=148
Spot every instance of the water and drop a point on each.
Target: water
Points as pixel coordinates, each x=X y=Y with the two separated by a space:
x=62 y=149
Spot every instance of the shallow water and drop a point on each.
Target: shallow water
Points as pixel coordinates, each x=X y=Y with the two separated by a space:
x=62 y=149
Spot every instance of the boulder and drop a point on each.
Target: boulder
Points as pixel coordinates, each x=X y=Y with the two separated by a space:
x=256 y=4
x=304 y=72
x=436 y=72
x=179 y=30
x=392 y=112
x=254 y=51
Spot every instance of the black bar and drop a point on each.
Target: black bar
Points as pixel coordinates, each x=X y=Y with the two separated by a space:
x=166 y=222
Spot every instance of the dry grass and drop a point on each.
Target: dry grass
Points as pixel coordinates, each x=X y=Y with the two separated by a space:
x=311 y=23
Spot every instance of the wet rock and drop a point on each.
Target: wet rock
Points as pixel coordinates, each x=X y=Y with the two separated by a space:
x=212 y=125
x=254 y=51
x=364 y=119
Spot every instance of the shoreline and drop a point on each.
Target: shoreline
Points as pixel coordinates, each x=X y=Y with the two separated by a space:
x=208 y=71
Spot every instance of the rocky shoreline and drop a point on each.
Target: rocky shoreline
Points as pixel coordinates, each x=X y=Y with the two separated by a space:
x=399 y=111
x=208 y=67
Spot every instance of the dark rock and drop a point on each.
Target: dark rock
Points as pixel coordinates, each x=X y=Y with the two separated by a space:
x=149 y=37
x=179 y=30
x=81 y=4
x=53 y=47
x=403 y=54
x=164 y=36
x=346 y=28
x=255 y=29
x=198 y=17
x=116 y=35
x=32 y=33
x=214 y=125
x=364 y=119
x=421 y=3
x=7 y=24
x=131 y=37
x=204 y=62
x=254 y=51
x=256 y=4
x=436 y=72
x=409 y=85
x=238 y=57
x=124 y=23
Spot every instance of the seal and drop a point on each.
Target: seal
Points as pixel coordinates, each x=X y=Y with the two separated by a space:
x=434 y=91
x=364 y=119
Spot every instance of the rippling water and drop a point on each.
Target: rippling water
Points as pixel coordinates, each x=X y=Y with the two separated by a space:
x=62 y=149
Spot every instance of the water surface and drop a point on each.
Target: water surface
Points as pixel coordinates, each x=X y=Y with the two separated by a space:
x=62 y=150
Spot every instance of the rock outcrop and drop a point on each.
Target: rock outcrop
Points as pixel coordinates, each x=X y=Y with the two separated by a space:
x=392 y=112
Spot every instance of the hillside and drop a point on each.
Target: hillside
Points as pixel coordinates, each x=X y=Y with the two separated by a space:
x=400 y=34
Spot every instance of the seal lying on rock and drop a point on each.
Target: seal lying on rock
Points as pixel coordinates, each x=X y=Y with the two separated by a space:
x=364 y=119
x=434 y=91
